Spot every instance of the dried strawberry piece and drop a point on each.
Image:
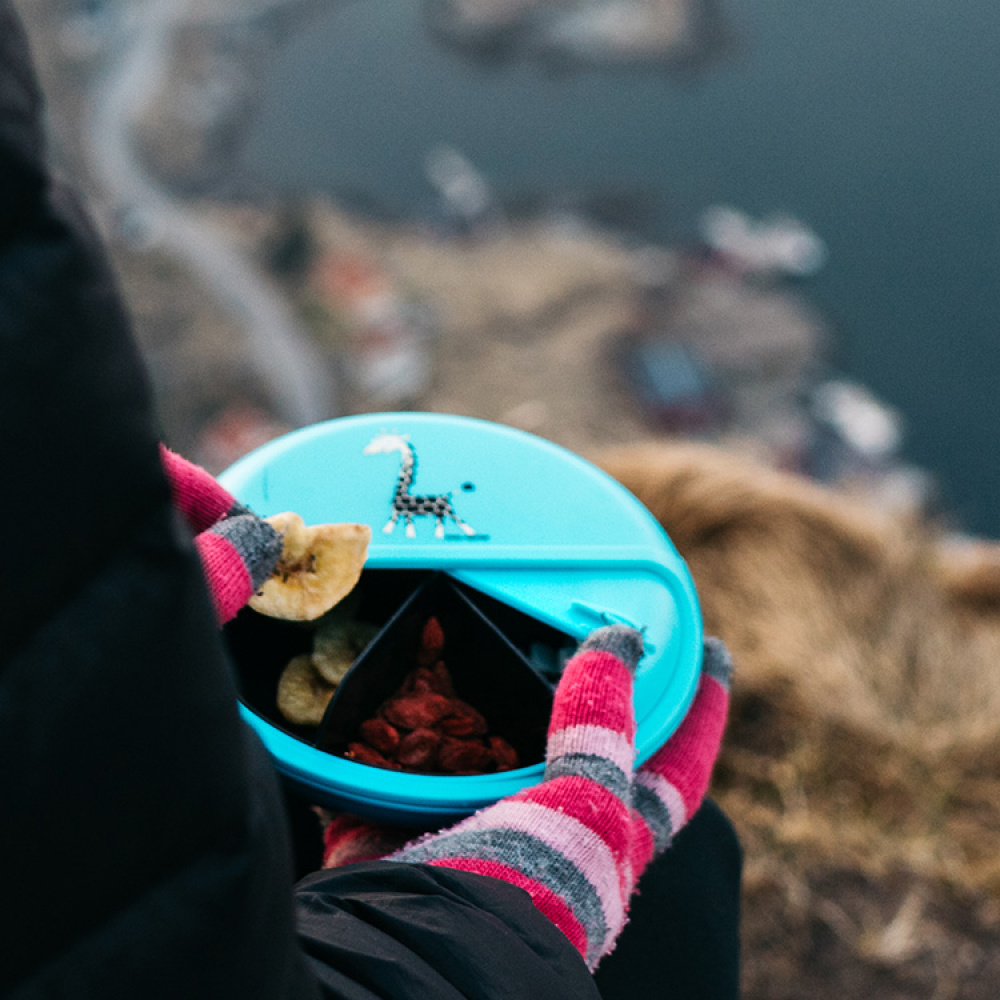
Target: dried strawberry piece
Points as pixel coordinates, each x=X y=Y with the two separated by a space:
x=425 y=680
x=380 y=735
x=504 y=754
x=464 y=721
x=443 y=679
x=417 y=711
x=422 y=681
x=425 y=728
x=431 y=643
x=464 y=755
x=418 y=749
x=362 y=754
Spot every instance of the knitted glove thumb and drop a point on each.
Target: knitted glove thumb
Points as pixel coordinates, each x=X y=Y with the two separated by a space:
x=670 y=787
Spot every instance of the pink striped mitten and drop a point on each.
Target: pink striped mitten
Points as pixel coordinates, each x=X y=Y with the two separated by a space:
x=671 y=785
x=196 y=494
x=566 y=841
x=578 y=842
x=238 y=550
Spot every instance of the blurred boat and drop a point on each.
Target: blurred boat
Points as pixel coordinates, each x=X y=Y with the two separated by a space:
x=671 y=384
x=775 y=245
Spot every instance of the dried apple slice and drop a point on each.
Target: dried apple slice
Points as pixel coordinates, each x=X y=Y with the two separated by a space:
x=319 y=566
x=302 y=693
x=337 y=644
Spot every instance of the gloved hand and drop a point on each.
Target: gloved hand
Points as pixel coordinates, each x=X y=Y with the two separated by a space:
x=238 y=550
x=578 y=841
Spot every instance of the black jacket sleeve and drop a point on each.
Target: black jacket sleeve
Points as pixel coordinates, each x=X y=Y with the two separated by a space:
x=388 y=930
x=143 y=848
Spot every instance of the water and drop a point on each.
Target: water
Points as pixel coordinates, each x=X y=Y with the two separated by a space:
x=874 y=123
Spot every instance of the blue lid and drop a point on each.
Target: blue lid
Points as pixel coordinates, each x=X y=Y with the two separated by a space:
x=506 y=513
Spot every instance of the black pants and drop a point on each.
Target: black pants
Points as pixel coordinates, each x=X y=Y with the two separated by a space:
x=682 y=939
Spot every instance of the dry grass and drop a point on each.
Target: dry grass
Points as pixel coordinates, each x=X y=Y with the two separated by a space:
x=862 y=760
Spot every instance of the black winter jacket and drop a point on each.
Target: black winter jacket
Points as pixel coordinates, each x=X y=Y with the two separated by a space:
x=143 y=844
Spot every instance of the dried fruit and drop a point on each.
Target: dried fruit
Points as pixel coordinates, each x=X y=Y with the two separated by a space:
x=319 y=566
x=425 y=728
x=419 y=681
x=362 y=754
x=417 y=711
x=379 y=735
x=443 y=677
x=302 y=693
x=504 y=754
x=463 y=755
x=337 y=644
x=431 y=643
x=464 y=720
x=425 y=680
x=418 y=749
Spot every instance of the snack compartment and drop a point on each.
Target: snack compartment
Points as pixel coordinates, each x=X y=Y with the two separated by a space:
x=261 y=647
x=486 y=670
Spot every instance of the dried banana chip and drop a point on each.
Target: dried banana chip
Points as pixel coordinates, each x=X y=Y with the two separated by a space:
x=337 y=644
x=319 y=566
x=302 y=693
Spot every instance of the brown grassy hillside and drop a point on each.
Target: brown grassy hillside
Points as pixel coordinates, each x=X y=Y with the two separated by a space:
x=861 y=760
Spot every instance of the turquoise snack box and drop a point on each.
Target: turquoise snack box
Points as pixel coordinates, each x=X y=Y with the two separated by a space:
x=526 y=545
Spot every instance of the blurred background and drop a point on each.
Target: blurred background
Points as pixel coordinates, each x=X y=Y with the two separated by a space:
x=773 y=224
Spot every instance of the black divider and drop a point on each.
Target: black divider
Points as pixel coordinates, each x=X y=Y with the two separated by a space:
x=487 y=670
x=543 y=647
x=260 y=647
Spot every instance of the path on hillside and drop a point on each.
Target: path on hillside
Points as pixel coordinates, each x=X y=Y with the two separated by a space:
x=291 y=367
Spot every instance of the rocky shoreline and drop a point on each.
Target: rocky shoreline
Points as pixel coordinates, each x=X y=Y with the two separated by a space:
x=544 y=322
x=611 y=33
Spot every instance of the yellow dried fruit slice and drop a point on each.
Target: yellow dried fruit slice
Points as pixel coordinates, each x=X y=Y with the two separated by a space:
x=319 y=566
x=337 y=644
x=302 y=693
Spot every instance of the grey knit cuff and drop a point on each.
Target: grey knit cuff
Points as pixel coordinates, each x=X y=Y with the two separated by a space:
x=716 y=661
x=259 y=544
x=619 y=640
